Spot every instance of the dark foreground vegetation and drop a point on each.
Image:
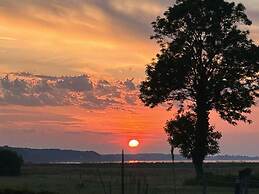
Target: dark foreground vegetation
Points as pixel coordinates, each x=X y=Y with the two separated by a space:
x=10 y=163
x=139 y=179
x=13 y=191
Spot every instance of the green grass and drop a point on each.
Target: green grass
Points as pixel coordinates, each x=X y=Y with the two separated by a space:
x=86 y=178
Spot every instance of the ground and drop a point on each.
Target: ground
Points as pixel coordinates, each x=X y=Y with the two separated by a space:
x=139 y=178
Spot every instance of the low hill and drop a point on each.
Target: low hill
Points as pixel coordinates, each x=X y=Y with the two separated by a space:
x=72 y=156
x=55 y=155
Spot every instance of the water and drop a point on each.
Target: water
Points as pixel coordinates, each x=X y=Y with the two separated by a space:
x=189 y=161
x=163 y=161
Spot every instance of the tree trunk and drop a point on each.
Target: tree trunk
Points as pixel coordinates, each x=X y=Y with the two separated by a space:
x=198 y=166
x=201 y=147
x=202 y=128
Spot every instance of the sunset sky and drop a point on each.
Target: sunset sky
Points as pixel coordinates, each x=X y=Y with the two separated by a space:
x=70 y=71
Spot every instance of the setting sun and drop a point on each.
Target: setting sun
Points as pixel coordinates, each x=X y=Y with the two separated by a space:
x=133 y=143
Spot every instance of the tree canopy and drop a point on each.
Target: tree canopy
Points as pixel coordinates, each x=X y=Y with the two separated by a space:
x=10 y=163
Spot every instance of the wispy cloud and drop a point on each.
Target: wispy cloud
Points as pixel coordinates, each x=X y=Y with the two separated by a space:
x=74 y=37
x=108 y=38
x=7 y=38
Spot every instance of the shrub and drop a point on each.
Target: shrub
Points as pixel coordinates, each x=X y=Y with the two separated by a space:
x=10 y=163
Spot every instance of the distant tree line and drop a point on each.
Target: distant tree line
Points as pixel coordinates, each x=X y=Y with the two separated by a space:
x=10 y=163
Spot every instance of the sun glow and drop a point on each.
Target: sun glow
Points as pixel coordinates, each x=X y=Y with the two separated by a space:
x=133 y=143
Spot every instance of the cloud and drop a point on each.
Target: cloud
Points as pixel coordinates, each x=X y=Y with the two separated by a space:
x=36 y=90
x=105 y=88
x=6 y=38
x=68 y=37
x=131 y=99
x=73 y=37
x=75 y=83
x=129 y=14
x=129 y=84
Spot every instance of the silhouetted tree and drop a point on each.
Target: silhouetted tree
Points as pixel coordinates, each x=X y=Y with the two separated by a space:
x=181 y=134
x=10 y=163
x=206 y=62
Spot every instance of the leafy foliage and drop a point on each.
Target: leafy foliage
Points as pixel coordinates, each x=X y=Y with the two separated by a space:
x=181 y=134
x=201 y=43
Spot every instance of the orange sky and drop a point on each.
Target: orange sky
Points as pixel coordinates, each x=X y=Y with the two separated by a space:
x=108 y=41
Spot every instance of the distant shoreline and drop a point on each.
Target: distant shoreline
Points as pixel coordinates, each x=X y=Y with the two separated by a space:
x=161 y=162
x=72 y=156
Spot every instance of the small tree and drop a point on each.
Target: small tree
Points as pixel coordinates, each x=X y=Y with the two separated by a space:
x=10 y=163
x=181 y=134
x=206 y=63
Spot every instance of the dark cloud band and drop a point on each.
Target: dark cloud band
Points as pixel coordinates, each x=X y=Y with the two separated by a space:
x=36 y=90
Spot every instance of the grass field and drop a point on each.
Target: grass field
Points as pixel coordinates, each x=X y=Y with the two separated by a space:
x=139 y=178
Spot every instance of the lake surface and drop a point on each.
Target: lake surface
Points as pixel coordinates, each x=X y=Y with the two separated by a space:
x=164 y=161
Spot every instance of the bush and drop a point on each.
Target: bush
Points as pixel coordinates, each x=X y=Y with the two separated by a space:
x=10 y=163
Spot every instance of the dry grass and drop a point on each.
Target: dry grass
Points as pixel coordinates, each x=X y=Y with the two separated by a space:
x=72 y=179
